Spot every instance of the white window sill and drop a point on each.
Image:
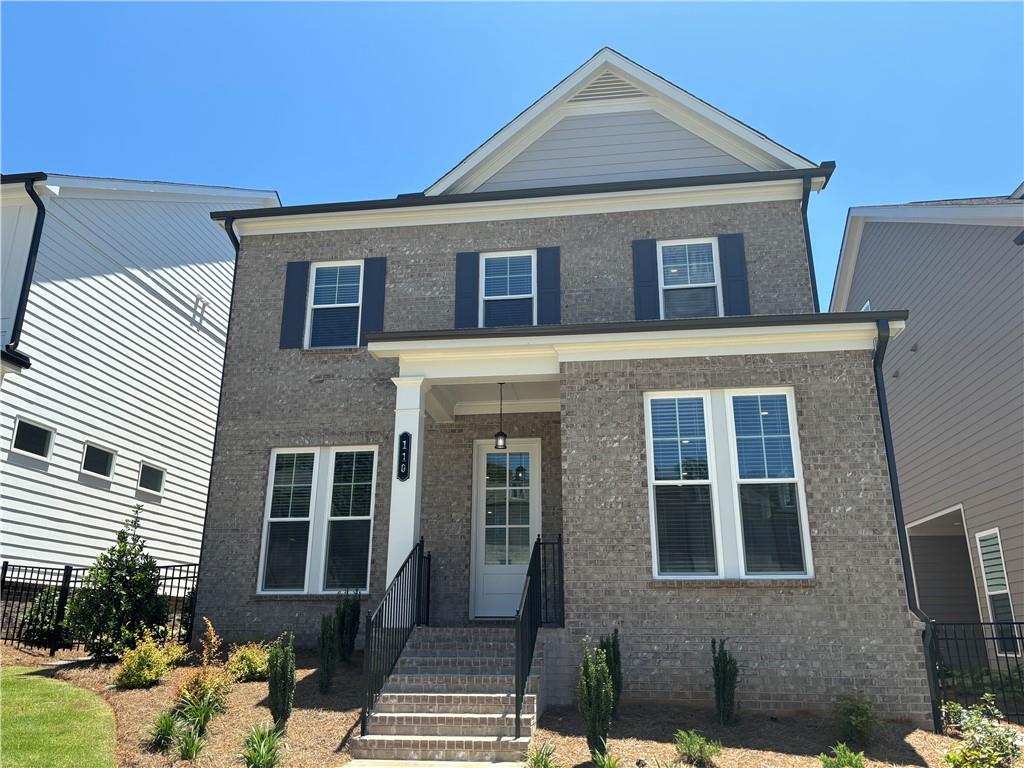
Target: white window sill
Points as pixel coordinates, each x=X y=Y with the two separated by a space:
x=799 y=582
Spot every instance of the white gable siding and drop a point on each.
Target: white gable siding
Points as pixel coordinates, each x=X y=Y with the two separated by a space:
x=119 y=359
x=612 y=146
x=18 y=218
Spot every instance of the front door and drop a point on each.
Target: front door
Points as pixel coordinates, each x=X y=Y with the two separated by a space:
x=506 y=521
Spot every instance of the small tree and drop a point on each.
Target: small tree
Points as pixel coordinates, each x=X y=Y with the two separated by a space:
x=346 y=624
x=119 y=599
x=610 y=645
x=724 y=670
x=281 y=678
x=595 y=696
x=327 y=646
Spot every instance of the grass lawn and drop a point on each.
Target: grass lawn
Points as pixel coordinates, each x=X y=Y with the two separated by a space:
x=50 y=724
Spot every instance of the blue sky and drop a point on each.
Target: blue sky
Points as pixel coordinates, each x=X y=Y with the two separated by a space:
x=326 y=102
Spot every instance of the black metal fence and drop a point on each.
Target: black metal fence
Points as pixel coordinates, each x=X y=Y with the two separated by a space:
x=970 y=660
x=34 y=602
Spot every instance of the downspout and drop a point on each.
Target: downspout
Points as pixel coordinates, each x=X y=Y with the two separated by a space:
x=30 y=267
x=804 y=204
x=878 y=358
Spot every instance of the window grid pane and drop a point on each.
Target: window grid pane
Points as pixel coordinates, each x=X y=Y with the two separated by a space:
x=679 y=438
x=292 y=492
x=507 y=509
x=508 y=276
x=336 y=285
x=689 y=264
x=763 y=446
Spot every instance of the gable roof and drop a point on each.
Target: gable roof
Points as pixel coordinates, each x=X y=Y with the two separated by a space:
x=610 y=82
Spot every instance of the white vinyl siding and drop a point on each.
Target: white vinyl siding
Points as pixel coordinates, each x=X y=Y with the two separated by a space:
x=689 y=279
x=508 y=289
x=318 y=523
x=726 y=490
x=333 y=312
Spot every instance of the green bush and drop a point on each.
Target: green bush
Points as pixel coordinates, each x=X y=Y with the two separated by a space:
x=857 y=720
x=610 y=645
x=40 y=622
x=247 y=663
x=724 y=671
x=196 y=711
x=603 y=757
x=262 y=747
x=842 y=757
x=952 y=715
x=542 y=757
x=163 y=732
x=190 y=743
x=143 y=665
x=595 y=696
x=693 y=749
x=119 y=599
x=346 y=623
x=327 y=647
x=986 y=743
x=281 y=678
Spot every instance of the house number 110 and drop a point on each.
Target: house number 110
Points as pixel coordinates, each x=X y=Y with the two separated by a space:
x=404 y=455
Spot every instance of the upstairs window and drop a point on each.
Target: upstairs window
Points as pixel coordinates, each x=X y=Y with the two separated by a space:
x=689 y=277
x=151 y=478
x=97 y=461
x=508 y=289
x=334 y=305
x=32 y=439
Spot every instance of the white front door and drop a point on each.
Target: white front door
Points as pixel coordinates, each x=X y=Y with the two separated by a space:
x=506 y=521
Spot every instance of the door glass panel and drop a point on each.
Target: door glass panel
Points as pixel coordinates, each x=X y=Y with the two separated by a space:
x=519 y=506
x=497 y=470
x=495 y=508
x=507 y=509
x=519 y=545
x=519 y=470
x=494 y=546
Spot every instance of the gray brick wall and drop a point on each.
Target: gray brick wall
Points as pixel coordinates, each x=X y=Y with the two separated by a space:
x=799 y=645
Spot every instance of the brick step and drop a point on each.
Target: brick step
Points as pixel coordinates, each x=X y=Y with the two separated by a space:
x=463 y=634
x=454 y=665
x=447 y=724
x=427 y=764
x=417 y=647
x=468 y=703
x=463 y=748
x=459 y=683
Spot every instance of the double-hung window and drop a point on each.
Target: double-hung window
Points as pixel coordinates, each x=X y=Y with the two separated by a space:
x=726 y=491
x=335 y=291
x=319 y=520
x=508 y=289
x=689 y=279
x=997 y=590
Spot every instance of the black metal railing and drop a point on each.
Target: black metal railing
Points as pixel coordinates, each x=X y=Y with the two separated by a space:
x=542 y=604
x=969 y=660
x=34 y=603
x=406 y=603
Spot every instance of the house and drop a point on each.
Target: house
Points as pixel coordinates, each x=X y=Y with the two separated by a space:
x=599 y=328
x=956 y=394
x=115 y=299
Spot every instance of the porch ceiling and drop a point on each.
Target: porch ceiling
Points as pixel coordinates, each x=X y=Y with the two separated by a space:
x=445 y=401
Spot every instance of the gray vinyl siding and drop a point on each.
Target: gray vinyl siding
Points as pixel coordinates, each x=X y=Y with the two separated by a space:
x=942 y=575
x=957 y=402
x=617 y=146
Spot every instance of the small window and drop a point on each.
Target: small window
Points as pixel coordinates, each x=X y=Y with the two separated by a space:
x=993 y=568
x=97 y=461
x=508 y=289
x=334 y=305
x=151 y=478
x=688 y=273
x=32 y=439
x=866 y=307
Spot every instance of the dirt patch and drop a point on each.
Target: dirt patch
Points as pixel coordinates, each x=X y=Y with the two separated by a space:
x=644 y=732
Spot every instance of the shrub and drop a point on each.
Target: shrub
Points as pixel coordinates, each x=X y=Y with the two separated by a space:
x=262 y=747
x=190 y=744
x=163 y=732
x=724 y=670
x=40 y=622
x=346 y=621
x=610 y=645
x=206 y=681
x=952 y=715
x=595 y=696
x=327 y=647
x=842 y=757
x=693 y=749
x=247 y=662
x=198 y=711
x=603 y=757
x=209 y=645
x=120 y=596
x=176 y=654
x=857 y=720
x=986 y=743
x=143 y=665
x=281 y=678
x=542 y=757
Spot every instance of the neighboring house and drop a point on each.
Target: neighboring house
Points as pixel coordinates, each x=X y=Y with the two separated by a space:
x=115 y=304
x=955 y=382
x=633 y=266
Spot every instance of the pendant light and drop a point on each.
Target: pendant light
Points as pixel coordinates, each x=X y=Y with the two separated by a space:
x=500 y=438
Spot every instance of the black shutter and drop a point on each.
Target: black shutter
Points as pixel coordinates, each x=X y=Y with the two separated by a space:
x=549 y=286
x=735 y=294
x=645 y=280
x=467 y=290
x=293 y=314
x=374 y=272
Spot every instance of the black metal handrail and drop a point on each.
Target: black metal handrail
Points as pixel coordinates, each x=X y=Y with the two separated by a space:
x=405 y=604
x=542 y=604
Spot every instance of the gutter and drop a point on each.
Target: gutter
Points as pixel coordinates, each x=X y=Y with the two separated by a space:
x=804 y=204
x=10 y=351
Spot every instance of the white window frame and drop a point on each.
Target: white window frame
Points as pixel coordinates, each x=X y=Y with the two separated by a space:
x=705 y=398
x=163 y=478
x=38 y=425
x=481 y=299
x=319 y=518
x=723 y=470
x=984 y=583
x=113 y=460
x=358 y=304
x=794 y=442
x=717 y=285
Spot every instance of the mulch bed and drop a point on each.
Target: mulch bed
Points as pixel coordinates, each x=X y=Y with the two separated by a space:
x=321 y=725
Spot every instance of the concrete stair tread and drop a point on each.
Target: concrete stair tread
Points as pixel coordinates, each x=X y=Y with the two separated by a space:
x=369 y=763
x=485 y=741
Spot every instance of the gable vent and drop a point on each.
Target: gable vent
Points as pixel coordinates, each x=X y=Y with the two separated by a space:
x=607 y=86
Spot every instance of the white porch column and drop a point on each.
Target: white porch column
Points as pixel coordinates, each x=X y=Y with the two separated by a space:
x=404 y=522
